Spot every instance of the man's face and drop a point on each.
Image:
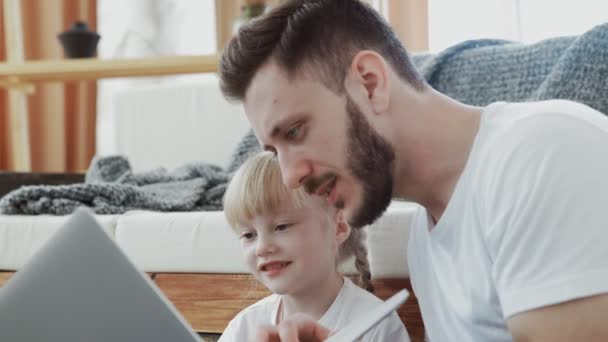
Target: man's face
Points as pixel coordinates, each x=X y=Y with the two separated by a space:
x=323 y=142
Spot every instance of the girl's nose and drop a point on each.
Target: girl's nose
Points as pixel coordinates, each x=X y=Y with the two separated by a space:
x=265 y=245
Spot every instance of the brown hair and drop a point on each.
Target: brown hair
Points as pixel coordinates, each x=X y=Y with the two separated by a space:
x=323 y=35
x=257 y=187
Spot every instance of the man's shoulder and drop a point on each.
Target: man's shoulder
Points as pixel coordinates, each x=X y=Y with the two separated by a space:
x=526 y=129
x=554 y=147
x=523 y=120
x=538 y=107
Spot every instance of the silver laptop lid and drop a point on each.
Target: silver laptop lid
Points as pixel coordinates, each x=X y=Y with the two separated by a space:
x=81 y=287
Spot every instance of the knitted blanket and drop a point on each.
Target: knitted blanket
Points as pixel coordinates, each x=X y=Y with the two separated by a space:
x=479 y=72
x=112 y=188
x=475 y=72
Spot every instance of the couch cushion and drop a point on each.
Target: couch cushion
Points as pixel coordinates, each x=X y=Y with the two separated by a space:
x=196 y=242
x=180 y=242
x=387 y=241
x=203 y=242
x=21 y=236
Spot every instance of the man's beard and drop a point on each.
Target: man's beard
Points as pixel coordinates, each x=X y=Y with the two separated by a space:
x=370 y=159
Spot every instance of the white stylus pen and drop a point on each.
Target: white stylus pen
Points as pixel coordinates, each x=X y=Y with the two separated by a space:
x=357 y=327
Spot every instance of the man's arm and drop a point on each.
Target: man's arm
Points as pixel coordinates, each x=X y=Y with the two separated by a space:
x=548 y=229
x=577 y=320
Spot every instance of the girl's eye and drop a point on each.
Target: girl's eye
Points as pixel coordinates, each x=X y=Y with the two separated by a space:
x=247 y=236
x=282 y=226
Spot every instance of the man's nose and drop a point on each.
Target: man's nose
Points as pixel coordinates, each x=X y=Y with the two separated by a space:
x=294 y=170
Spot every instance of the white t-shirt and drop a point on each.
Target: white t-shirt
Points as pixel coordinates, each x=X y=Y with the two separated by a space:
x=351 y=302
x=526 y=226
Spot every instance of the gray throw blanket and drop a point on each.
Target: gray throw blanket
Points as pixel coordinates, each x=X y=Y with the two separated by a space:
x=479 y=72
x=112 y=188
x=475 y=72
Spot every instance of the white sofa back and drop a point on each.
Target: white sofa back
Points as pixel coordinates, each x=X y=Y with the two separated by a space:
x=171 y=124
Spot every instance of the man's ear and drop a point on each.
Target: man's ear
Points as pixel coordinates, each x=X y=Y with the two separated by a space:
x=342 y=227
x=368 y=73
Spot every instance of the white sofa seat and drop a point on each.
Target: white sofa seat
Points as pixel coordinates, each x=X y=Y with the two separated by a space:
x=196 y=242
x=22 y=235
x=180 y=242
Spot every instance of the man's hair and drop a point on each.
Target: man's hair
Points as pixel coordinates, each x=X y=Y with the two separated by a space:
x=321 y=35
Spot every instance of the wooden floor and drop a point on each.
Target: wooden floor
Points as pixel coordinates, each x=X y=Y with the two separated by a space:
x=209 y=301
x=209 y=337
x=4 y=276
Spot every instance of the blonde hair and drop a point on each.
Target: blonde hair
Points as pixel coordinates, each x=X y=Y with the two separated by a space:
x=257 y=187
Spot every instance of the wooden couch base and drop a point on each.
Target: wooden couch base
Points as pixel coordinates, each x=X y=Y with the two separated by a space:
x=210 y=301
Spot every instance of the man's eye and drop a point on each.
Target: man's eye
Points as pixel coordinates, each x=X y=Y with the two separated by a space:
x=247 y=236
x=293 y=133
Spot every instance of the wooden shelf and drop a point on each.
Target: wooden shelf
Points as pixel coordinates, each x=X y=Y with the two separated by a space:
x=93 y=68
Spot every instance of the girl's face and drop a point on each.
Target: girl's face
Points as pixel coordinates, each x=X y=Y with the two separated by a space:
x=294 y=250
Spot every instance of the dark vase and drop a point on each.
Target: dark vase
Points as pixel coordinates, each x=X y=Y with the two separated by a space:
x=79 y=41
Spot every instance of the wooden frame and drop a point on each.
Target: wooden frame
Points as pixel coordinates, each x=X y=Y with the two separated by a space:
x=17 y=101
x=92 y=68
x=18 y=78
x=210 y=301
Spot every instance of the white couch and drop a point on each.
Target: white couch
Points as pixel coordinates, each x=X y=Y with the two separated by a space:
x=194 y=242
x=170 y=124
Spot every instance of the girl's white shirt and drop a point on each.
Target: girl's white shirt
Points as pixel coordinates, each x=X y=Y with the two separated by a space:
x=351 y=302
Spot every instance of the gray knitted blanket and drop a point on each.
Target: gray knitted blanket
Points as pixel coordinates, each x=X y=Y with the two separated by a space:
x=475 y=72
x=112 y=188
x=479 y=72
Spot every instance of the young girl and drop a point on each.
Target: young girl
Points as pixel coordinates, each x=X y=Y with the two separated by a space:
x=293 y=242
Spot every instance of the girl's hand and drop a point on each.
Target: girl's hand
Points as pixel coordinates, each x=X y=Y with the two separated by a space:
x=298 y=328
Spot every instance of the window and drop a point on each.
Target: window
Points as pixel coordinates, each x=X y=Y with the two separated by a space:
x=451 y=22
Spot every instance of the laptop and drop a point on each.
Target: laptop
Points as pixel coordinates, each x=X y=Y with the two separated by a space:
x=80 y=286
